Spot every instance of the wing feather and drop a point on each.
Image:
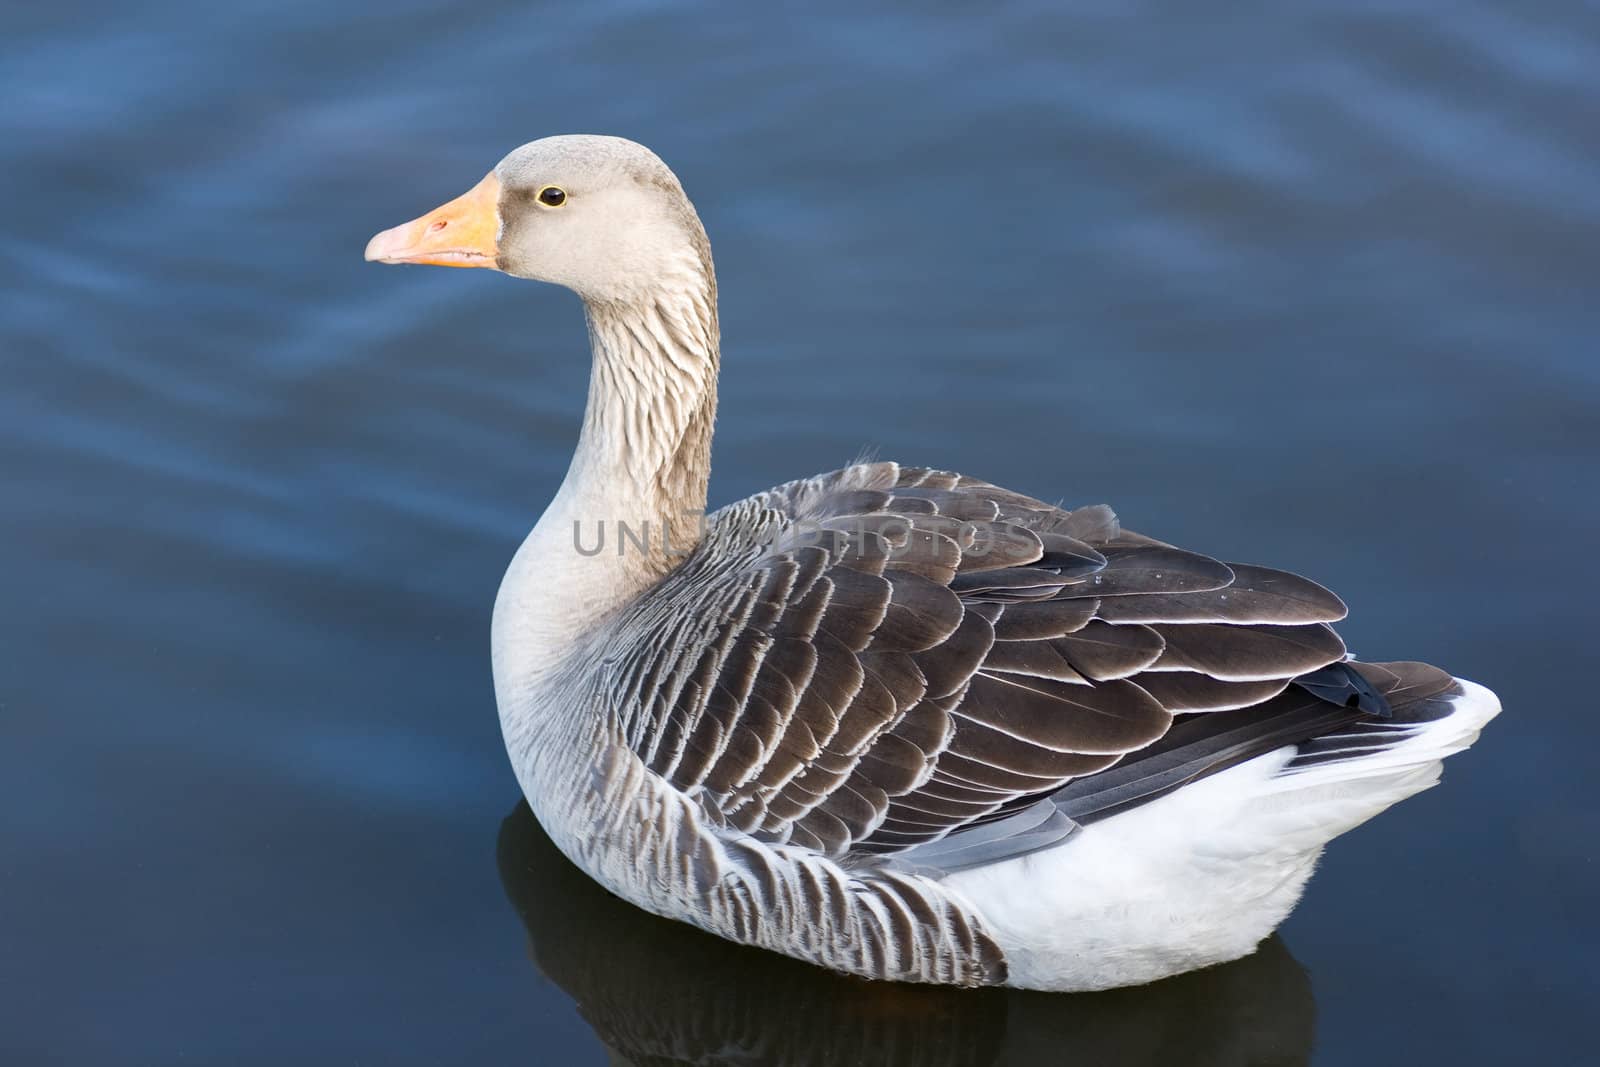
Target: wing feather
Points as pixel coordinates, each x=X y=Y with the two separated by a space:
x=886 y=660
x=1248 y=653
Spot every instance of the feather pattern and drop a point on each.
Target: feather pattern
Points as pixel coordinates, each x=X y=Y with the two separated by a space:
x=904 y=656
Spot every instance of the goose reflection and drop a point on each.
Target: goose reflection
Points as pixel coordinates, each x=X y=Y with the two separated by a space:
x=659 y=993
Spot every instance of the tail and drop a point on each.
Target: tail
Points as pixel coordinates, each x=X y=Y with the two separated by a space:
x=1342 y=778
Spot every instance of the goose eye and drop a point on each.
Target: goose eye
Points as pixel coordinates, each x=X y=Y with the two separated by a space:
x=551 y=196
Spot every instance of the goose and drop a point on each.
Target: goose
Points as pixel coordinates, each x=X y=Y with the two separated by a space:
x=896 y=721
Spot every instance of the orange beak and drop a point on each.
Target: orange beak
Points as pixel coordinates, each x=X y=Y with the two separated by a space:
x=463 y=233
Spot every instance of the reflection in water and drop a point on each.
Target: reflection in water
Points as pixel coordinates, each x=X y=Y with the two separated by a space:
x=659 y=992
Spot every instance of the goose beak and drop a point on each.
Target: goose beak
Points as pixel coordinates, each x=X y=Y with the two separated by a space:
x=463 y=233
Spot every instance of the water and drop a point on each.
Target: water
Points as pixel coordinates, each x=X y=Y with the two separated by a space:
x=1311 y=289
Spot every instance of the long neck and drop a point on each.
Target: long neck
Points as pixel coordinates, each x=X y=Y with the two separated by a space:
x=632 y=500
x=645 y=449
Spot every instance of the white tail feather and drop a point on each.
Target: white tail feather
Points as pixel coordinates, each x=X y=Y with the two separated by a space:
x=1329 y=798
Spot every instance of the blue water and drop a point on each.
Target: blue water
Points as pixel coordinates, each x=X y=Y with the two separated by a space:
x=1311 y=288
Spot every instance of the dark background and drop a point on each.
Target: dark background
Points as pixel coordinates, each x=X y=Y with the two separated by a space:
x=1306 y=285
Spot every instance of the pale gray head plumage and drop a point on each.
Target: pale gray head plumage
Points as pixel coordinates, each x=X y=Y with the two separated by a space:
x=623 y=228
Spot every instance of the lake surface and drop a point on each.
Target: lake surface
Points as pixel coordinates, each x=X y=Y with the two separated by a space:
x=1313 y=289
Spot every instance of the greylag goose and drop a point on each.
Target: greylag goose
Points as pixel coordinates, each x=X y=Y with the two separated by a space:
x=894 y=721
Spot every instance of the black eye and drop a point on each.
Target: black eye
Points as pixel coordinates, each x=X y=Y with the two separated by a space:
x=551 y=196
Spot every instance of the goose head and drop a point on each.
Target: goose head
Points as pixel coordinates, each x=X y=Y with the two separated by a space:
x=602 y=216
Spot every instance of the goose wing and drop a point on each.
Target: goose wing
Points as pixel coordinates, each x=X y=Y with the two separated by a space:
x=889 y=660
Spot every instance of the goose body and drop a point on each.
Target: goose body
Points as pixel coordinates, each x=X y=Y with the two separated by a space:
x=894 y=721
